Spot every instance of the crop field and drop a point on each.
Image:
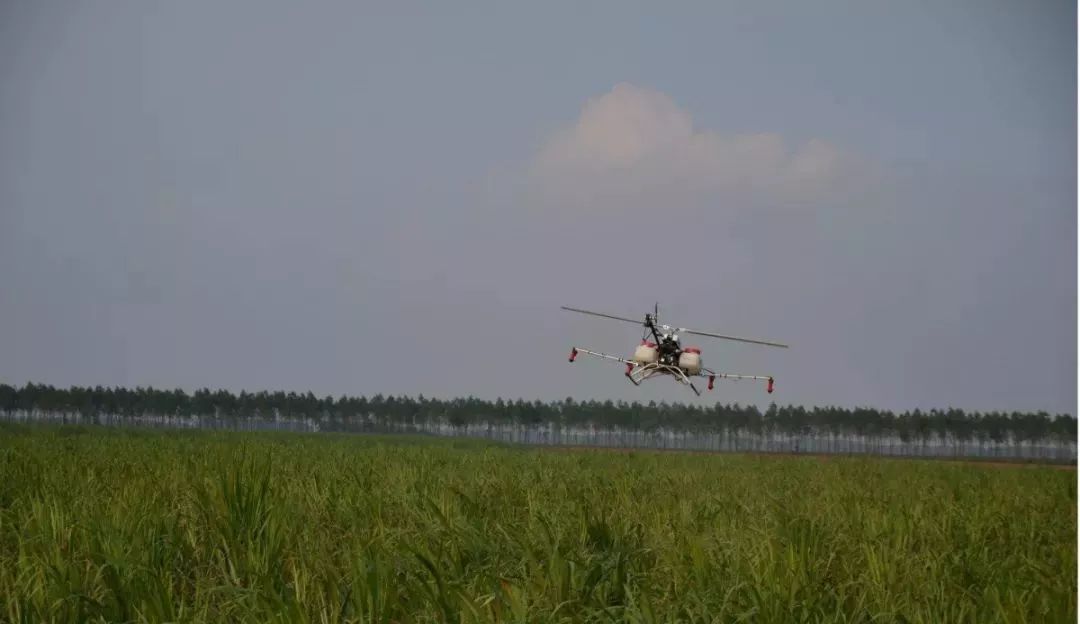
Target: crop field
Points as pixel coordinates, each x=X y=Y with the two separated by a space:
x=135 y=525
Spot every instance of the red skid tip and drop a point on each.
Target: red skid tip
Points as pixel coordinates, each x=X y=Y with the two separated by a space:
x=770 y=385
x=712 y=378
x=629 y=368
x=573 y=354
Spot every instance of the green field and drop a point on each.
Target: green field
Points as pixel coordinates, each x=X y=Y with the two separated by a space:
x=115 y=525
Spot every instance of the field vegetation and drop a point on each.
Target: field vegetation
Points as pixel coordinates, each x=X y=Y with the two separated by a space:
x=134 y=525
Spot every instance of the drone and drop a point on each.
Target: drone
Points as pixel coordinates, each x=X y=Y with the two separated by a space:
x=660 y=353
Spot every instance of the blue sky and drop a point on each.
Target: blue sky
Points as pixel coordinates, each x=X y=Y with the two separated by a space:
x=397 y=198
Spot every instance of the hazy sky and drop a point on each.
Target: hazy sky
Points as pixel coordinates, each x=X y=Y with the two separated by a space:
x=362 y=197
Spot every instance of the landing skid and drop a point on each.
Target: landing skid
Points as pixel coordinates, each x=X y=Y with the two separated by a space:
x=637 y=372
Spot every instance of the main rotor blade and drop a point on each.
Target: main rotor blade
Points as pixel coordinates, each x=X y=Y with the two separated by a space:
x=721 y=336
x=617 y=318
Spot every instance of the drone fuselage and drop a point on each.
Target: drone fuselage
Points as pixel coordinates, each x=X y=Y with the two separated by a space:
x=668 y=350
x=660 y=353
x=667 y=344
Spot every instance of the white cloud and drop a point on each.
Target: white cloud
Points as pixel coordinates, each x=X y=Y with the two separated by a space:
x=635 y=143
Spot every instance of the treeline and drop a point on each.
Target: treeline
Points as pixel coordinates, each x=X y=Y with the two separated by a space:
x=916 y=425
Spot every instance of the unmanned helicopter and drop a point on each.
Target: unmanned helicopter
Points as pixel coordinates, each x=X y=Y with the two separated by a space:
x=661 y=353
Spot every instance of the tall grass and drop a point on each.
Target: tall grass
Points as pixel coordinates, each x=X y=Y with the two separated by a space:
x=123 y=525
